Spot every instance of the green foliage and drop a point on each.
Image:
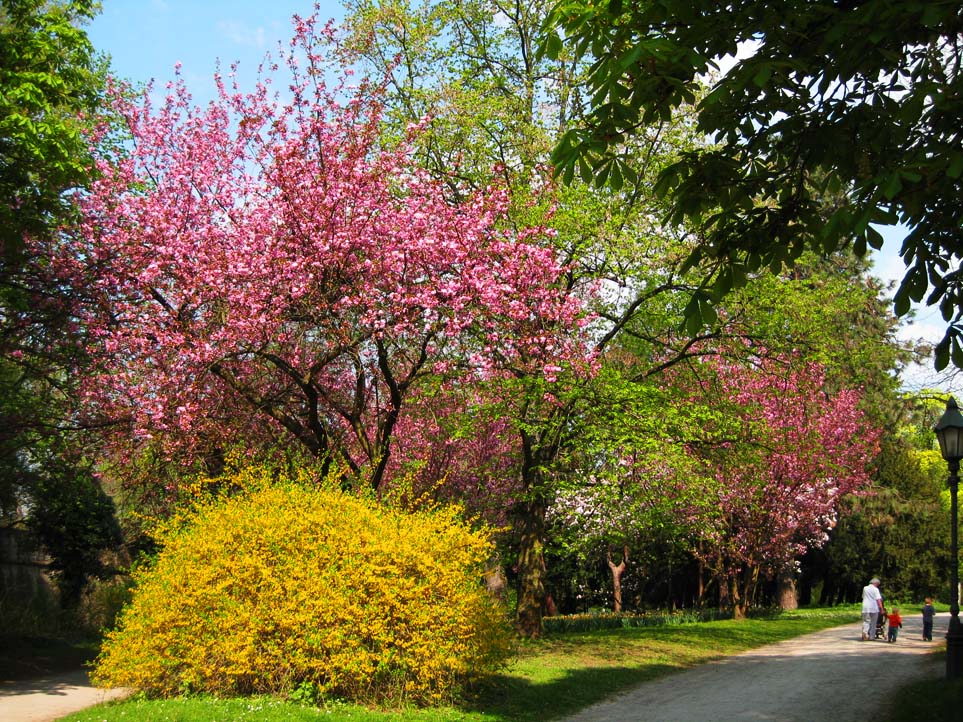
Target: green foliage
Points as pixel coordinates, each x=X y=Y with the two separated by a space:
x=830 y=309
x=853 y=102
x=101 y=603
x=473 y=76
x=75 y=522
x=902 y=541
x=47 y=77
x=284 y=589
x=50 y=89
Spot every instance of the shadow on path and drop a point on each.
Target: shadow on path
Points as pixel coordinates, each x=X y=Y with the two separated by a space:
x=49 y=698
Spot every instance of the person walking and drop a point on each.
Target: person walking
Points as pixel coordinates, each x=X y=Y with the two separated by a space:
x=895 y=624
x=928 y=613
x=872 y=607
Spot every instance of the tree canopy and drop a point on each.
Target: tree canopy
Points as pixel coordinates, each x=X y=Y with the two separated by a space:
x=266 y=270
x=48 y=77
x=843 y=117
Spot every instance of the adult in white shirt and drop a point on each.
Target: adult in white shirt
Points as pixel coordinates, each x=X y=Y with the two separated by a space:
x=872 y=607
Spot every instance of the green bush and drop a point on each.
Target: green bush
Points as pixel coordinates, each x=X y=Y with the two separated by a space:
x=300 y=591
x=101 y=603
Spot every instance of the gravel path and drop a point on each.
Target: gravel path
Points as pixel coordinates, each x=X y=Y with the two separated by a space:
x=829 y=676
x=50 y=698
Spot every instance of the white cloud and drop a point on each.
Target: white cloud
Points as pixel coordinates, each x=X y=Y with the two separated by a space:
x=241 y=33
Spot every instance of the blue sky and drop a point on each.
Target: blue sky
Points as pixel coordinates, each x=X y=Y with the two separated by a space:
x=145 y=38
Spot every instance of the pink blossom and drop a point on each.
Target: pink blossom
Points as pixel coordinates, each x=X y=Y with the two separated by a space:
x=253 y=270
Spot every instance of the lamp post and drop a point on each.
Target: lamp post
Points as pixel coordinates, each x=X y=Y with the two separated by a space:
x=949 y=432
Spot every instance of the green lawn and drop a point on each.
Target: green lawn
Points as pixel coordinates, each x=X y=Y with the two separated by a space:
x=550 y=678
x=932 y=700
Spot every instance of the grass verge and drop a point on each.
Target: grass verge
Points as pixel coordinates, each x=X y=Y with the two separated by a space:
x=550 y=678
x=930 y=700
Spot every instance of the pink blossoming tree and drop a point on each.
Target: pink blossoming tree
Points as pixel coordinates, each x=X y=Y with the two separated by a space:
x=268 y=267
x=781 y=450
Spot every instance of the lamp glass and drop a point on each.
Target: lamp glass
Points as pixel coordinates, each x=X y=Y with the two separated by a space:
x=949 y=432
x=951 y=443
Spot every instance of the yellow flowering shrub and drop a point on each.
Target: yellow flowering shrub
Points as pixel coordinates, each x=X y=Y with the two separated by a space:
x=287 y=587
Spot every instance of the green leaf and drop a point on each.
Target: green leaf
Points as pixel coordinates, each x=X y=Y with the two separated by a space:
x=695 y=257
x=631 y=57
x=947 y=307
x=616 y=180
x=631 y=177
x=602 y=174
x=666 y=181
x=568 y=175
x=955 y=168
x=891 y=186
x=874 y=238
x=762 y=76
x=901 y=302
x=708 y=313
x=693 y=323
x=552 y=46
x=693 y=317
x=916 y=283
x=723 y=282
x=585 y=170
x=833 y=185
x=563 y=150
x=931 y=16
x=956 y=353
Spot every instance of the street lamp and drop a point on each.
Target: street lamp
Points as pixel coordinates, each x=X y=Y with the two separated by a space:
x=949 y=431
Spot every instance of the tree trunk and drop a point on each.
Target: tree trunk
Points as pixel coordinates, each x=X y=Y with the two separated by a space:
x=725 y=590
x=531 y=568
x=786 y=590
x=744 y=591
x=736 y=599
x=538 y=454
x=700 y=601
x=617 y=570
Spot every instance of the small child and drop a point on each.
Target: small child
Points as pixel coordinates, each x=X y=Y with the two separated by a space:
x=928 y=613
x=895 y=622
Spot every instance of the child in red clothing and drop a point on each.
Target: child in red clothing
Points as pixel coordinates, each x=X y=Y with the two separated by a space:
x=895 y=622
